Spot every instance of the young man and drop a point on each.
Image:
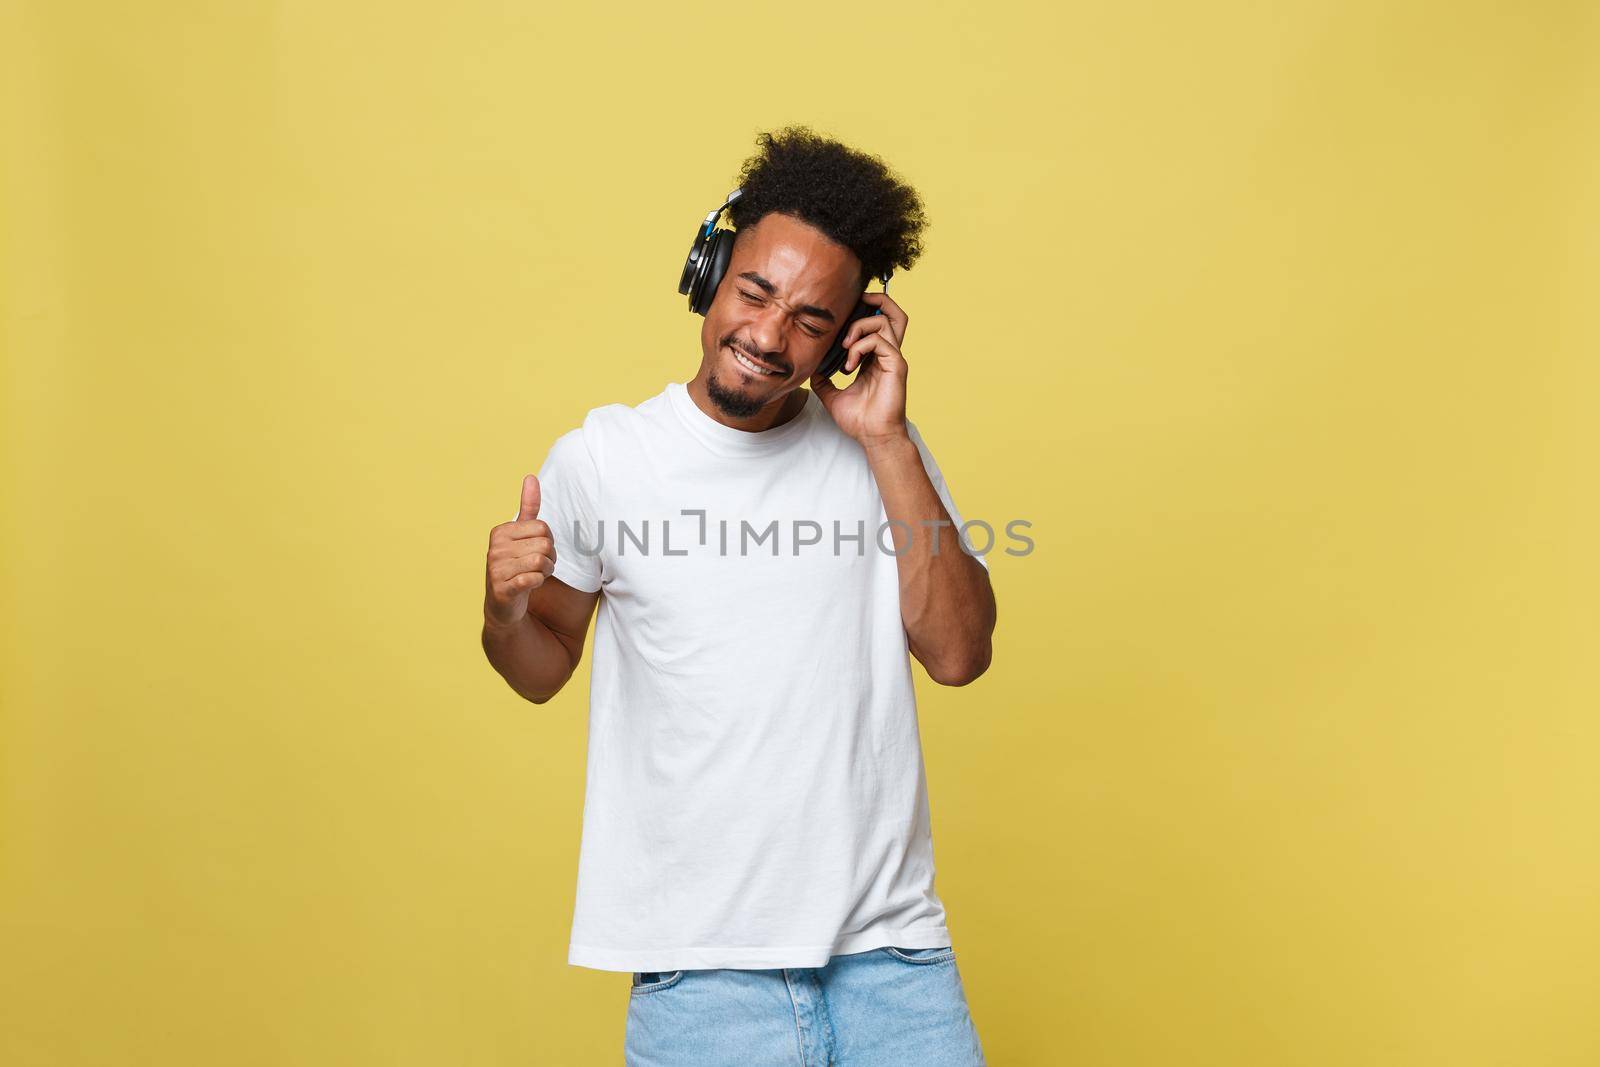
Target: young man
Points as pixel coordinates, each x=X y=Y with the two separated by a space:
x=766 y=558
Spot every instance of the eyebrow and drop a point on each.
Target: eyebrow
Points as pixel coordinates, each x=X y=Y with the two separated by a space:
x=804 y=309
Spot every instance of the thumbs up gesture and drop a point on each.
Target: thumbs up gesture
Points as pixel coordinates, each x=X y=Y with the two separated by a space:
x=521 y=553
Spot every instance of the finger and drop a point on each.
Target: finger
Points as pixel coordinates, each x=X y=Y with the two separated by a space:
x=823 y=387
x=525 y=547
x=878 y=348
x=517 y=529
x=523 y=582
x=502 y=558
x=507 y=569
x=861 y=327
x=893 y=312
x=540 y=563
x=530 y=498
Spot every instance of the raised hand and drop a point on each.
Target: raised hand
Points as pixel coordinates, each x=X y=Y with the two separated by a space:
x=521 y=553
x=872 y=408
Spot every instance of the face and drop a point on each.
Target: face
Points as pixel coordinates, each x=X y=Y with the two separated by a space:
x=787 y=292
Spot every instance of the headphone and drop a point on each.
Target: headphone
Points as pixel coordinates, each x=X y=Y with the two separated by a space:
x=708 y=262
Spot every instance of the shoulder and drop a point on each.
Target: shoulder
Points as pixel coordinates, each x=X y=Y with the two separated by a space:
x=610 y=430
x=613 y=419
x=609 y=419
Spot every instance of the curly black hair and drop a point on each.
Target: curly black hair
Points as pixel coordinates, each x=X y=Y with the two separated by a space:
x=850 y=196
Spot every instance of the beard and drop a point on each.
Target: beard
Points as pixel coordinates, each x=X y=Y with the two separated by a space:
x=732 y=402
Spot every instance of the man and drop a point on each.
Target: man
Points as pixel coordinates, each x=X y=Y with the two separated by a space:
x=756 y=847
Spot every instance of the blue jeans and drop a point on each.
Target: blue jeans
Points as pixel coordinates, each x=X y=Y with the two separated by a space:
x=882 y=1007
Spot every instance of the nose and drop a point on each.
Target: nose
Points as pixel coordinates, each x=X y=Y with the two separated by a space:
x=767 y=330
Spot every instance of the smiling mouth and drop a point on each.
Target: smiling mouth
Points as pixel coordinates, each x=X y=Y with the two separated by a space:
x=759 y=370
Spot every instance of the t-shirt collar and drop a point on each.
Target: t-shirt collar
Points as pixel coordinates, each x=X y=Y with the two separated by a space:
x=731 y=441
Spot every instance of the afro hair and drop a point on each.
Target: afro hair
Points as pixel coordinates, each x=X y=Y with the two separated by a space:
x=850 y=196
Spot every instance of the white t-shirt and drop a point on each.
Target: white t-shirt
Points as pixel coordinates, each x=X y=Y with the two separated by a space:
x=755 y=794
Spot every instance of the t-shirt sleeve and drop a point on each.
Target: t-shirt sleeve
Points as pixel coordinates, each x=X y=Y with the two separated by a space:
x=946 y=534
x=569 y=493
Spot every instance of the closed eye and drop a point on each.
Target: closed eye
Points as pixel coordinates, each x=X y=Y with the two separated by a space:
x=811 y=331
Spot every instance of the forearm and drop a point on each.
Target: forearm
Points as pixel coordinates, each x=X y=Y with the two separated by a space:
x=946 y=602
x=531 y=659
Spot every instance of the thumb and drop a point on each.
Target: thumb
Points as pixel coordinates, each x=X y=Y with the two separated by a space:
x=530 y=498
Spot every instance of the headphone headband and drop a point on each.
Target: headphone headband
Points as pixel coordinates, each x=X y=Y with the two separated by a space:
x=711 y=219
x=711 y=224
x=708 y=260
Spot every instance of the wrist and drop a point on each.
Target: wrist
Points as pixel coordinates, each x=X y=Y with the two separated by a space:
x=887 y=443
x=495 y=628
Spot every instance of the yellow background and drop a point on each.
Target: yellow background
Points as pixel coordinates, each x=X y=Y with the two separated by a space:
x=1276 y=320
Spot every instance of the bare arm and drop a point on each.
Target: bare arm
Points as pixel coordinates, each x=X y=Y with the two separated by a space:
x=537 y=654
x=946 y=601
x=533 y=622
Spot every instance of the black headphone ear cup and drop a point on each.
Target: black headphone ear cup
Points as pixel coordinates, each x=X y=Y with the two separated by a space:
x=694 y=262
x=716 y=256
x=833 y=362
x=836 y=355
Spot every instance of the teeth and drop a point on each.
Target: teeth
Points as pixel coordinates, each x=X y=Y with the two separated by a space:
x=745 y=362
